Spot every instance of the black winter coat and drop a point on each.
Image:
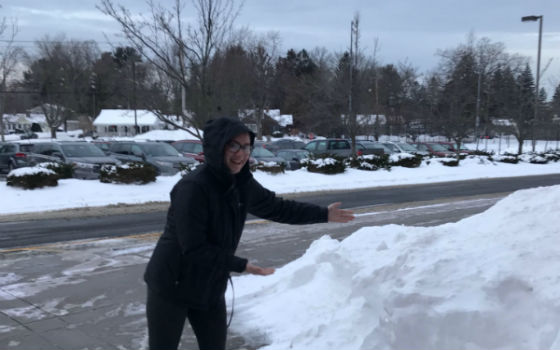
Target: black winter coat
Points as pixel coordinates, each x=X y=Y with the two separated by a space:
x=195 y=254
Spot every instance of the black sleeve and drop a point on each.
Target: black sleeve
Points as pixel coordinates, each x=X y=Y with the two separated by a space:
x=191 y=213
x=264 y=203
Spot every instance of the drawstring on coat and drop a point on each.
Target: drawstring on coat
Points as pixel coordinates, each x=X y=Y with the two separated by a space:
x=232 y=302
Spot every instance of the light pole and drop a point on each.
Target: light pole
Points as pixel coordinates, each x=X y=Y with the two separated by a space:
x=533 y=19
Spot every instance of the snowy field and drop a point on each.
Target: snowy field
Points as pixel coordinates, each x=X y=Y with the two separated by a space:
x=486 y=282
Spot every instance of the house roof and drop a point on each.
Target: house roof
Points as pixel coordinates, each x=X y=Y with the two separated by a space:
x=282 y=119
x=23 y=118
x=126 y=117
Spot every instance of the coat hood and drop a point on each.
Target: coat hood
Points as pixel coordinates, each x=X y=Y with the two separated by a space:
x=217 y=133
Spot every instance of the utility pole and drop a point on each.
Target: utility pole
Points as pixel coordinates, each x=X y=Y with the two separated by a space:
x=134 y=94
x=477 y=120
x=354 y=25
x=533 y=19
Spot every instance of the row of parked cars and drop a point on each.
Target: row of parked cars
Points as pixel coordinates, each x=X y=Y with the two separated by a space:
x=170 y=158
x=342 y=147
x=88 y=158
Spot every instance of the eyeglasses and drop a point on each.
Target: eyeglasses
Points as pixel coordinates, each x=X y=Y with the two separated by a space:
x=234 y=147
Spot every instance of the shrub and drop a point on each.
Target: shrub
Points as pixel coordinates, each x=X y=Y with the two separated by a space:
x=133 y=172
x=370 y=162
x=327 y=165
x=506 y=158
x=187 y=168
x=406 y=160
x=552 y=155
x=63 y=170
x=481 y=153
x=449 y=161
x=271 y=167
x=32 y=177
x=534 y=158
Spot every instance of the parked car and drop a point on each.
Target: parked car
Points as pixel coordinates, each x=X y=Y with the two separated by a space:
x=371 y=147
x=17 y=155
x=27 y=135
x=102 y=145
x=293 y=157
x=164 y=157
x=337 y=147
x=277 y=145
x=262 y=155
x=190 y=148
x=404 y=147
x=434 y=148
x=451 y=146
x=86 y=158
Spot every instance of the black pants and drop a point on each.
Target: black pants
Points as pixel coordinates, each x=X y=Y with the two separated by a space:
x=167 y=319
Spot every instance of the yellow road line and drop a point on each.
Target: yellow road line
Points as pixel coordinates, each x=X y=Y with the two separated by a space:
x=59 y=246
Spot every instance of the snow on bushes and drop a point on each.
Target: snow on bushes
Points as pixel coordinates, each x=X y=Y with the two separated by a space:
x=32 y=177
x=328 y=165
x=406 y=160
x=133 y=172
x=370 y=162
x=63 y=170
x=270 y=167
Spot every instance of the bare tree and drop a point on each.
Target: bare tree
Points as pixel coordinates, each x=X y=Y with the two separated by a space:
x=9 y=58
x=262 y=53
x=181 y=51
x=60 y=74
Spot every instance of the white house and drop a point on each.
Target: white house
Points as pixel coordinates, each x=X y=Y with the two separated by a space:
x=273 y=120
x=121 y=122
x=23 y=122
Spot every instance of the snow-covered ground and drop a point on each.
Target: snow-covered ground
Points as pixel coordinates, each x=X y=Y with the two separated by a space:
x=489 y=281
x=73 y=193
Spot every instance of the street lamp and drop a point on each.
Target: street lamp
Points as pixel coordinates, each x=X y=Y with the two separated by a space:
x=533 y=19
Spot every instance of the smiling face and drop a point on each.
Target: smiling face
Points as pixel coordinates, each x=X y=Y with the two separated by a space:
x=237 y=152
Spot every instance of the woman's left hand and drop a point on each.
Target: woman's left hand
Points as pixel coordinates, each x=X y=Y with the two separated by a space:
x=257 y=270
x=339 y=215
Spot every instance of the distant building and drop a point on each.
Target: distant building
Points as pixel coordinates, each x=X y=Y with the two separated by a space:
x=121 y=122
x=273 y=121
x=31 y=121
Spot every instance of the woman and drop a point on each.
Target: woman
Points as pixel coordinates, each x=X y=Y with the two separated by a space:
x=188 y=272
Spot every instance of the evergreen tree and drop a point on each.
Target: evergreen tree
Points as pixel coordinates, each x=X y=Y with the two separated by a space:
x=457 y=108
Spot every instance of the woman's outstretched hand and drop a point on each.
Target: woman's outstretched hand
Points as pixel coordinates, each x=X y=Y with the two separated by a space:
x=257 y=270
x=339 y=215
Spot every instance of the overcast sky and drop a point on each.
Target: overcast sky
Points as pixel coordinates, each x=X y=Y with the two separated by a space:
x=408 y=30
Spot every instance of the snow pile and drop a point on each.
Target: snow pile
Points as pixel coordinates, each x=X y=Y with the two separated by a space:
x=486 y=282
x=19 y=172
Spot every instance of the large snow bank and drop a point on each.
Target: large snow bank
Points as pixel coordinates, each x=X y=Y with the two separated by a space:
x=490 y=281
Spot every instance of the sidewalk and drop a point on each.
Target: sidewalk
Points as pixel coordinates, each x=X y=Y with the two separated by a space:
x=79 y=295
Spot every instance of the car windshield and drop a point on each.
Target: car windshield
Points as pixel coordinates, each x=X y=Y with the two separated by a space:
x=102 y=146
x=438 y=148
x=391 y=147
x=7 y=148
x=302 y=154
x=82 y=150
x=196 y=147
x=294 y=154
x=375 y=145
x=158 y=149
x=407 y=147
x=262 y=152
